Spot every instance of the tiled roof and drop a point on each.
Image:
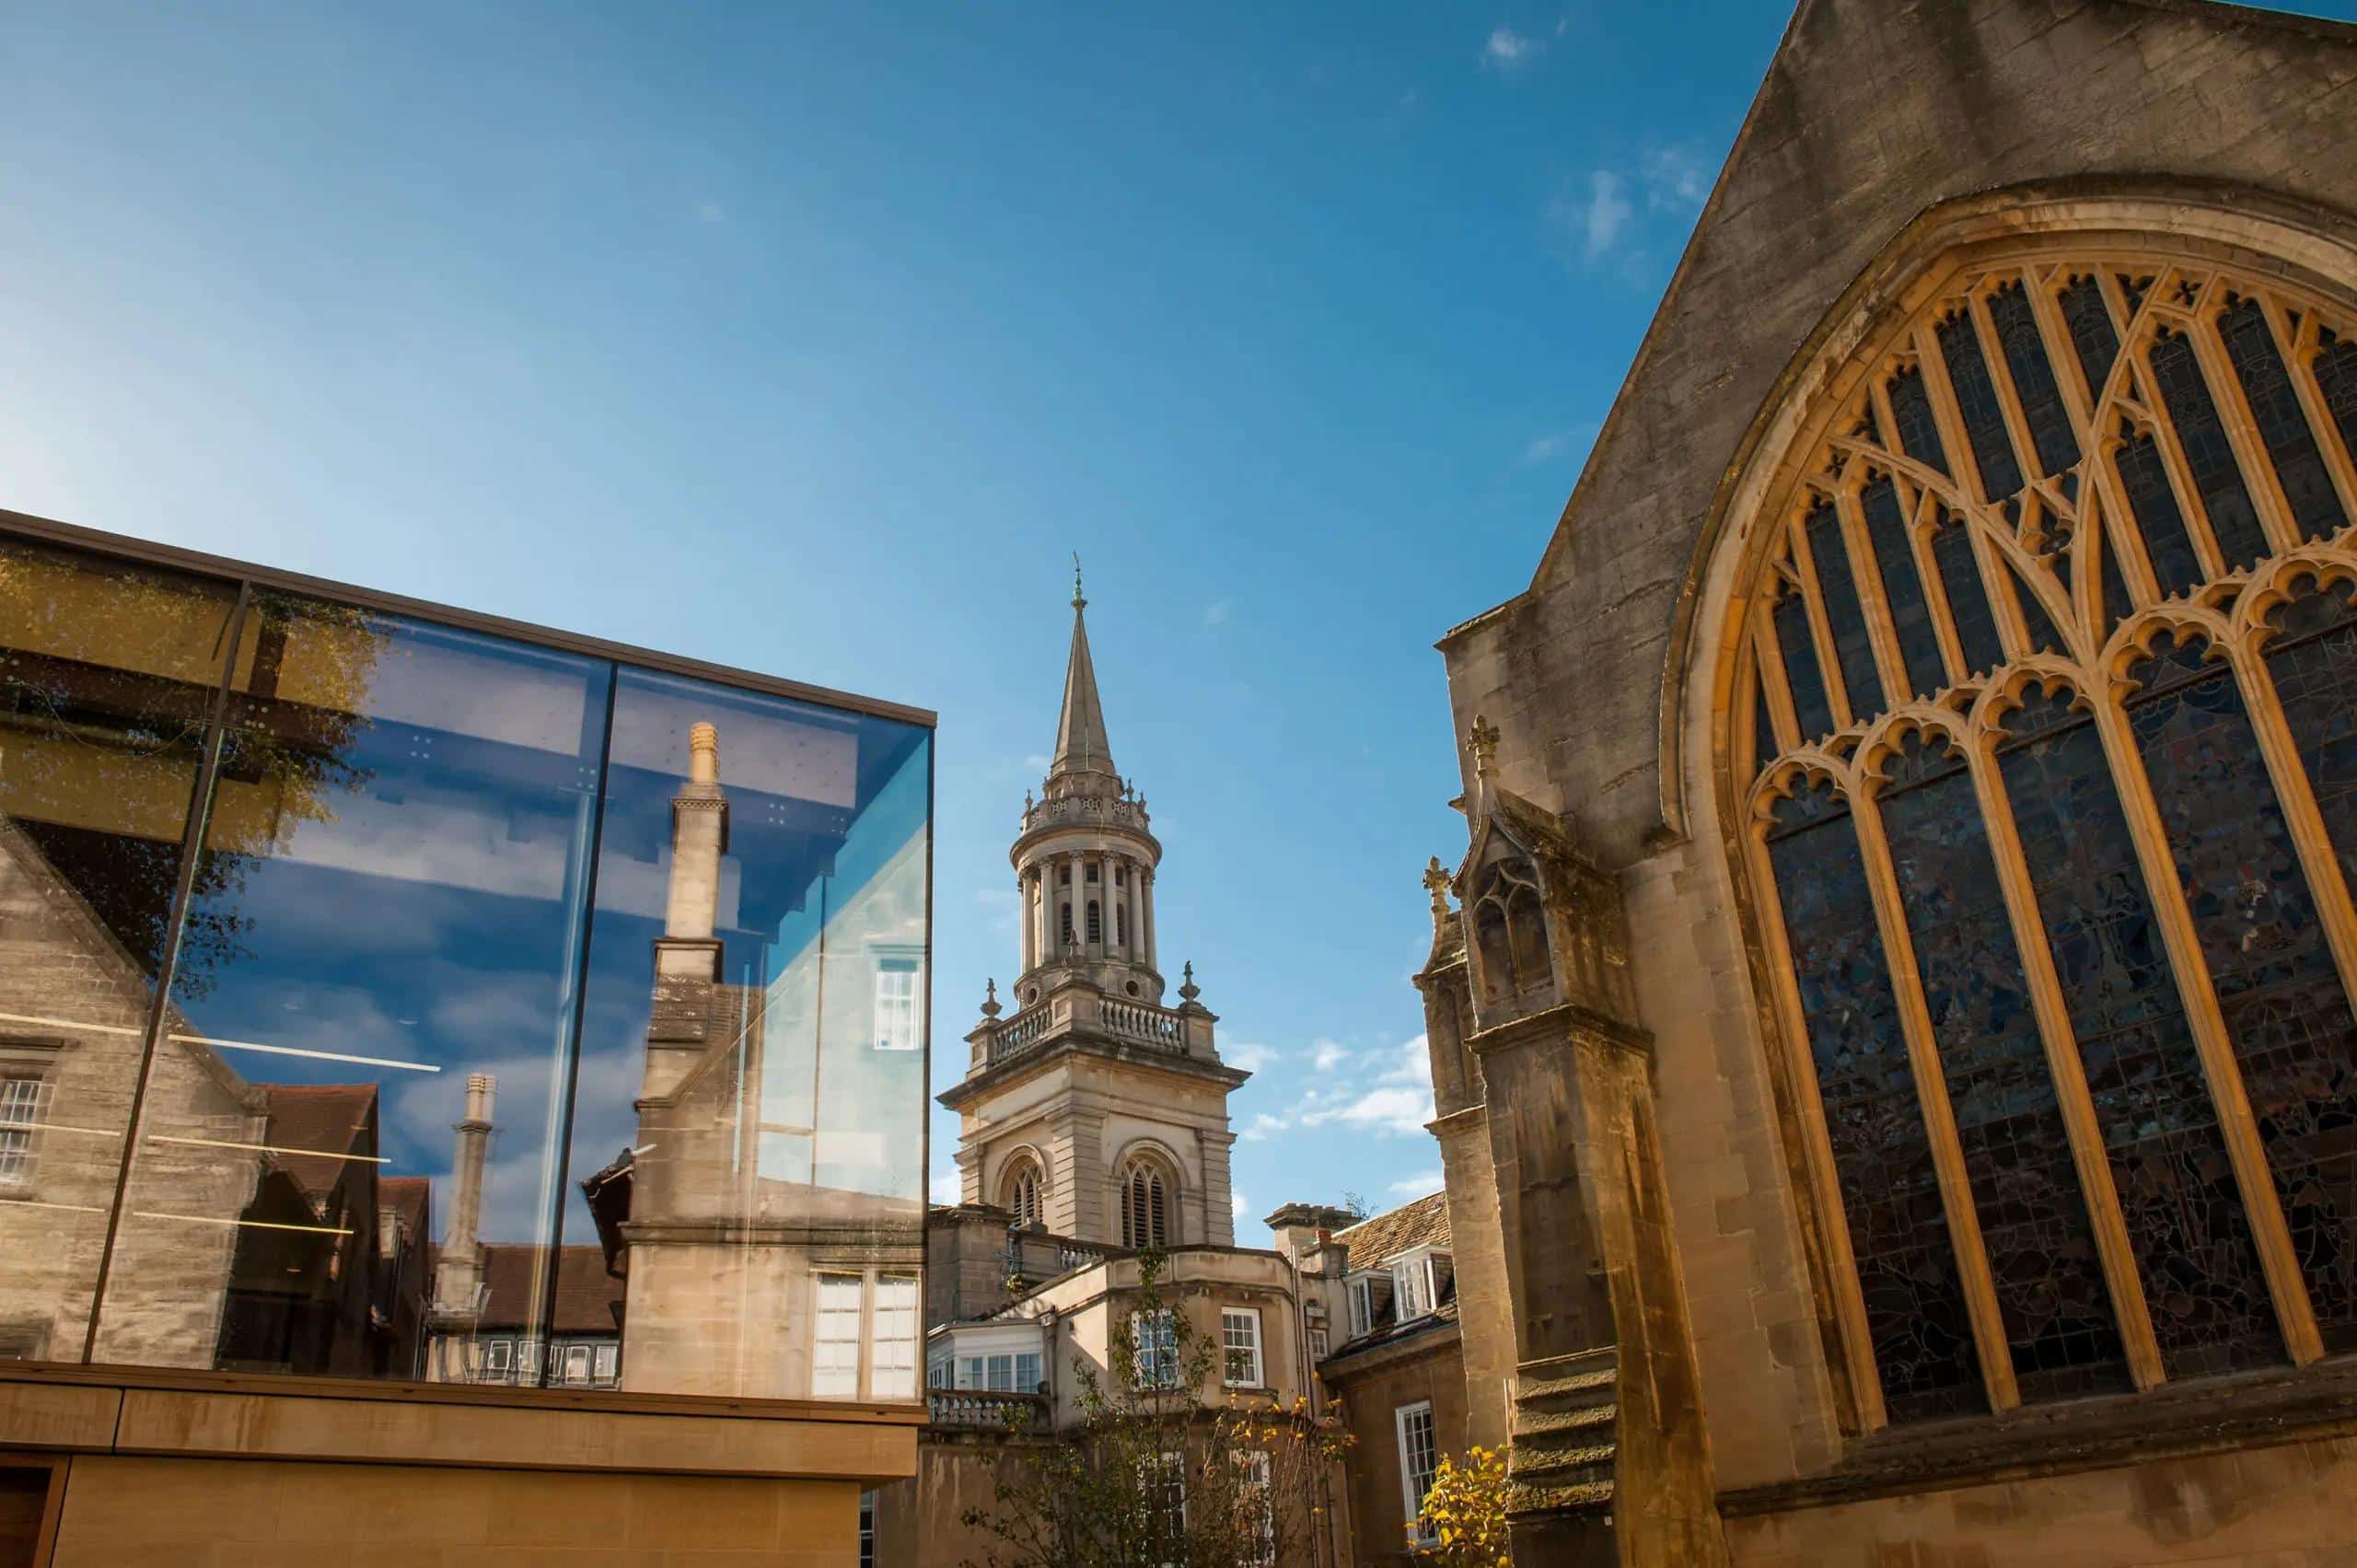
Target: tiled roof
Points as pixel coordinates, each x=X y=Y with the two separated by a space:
x=586 y=1295
x=327 y=1121
x=1424 y=1223
x=407 y=1196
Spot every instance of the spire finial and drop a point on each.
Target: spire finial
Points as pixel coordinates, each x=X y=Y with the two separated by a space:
x=1482 y=738
x=1079 y=600
x=1436 y=884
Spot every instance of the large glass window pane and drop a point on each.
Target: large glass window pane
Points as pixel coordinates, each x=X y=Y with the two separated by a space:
x=1881 y=1154
x=750 y=1113
x=107 y=674
x=371 y=1022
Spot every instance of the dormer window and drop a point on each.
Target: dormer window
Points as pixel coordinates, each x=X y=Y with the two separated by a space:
x=1370 y=1296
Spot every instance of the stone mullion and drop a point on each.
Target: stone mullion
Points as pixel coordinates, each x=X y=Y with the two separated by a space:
x=2242 y=427
x=1881 y=631
x=2207 y=1022
x=1820 y=626
x=1932 y=1096
x=2296 y=797
x=2299 y=348
x=1849 y=1301
x=1920 y=506
x=2012 y=628
x=2062 y=356
x=2130 y=1312
x=1768 y=667
x=2189 y=503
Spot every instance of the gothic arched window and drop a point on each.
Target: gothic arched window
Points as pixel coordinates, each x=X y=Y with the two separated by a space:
x=2044 y=731
x=1023 y=1193
x=1145 y=1198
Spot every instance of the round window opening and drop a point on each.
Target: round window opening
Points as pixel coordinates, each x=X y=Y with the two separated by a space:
x=1133 y=988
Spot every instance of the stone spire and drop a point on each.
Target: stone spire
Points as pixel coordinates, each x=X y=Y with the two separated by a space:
x=1084 y=763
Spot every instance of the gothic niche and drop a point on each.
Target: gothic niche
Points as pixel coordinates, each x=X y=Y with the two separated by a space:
x=1510 y=933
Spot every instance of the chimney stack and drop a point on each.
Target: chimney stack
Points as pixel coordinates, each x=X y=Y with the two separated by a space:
x=698 y=839
x=457 y=1272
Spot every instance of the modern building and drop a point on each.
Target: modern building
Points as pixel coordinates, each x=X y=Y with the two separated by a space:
x=1894 y=1032
x=438 y=1114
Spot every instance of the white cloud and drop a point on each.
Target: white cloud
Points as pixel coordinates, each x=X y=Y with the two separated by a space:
x=1216 y=614
x=1409 y=1061
x=1575 y=440
x=1599 y=222
x=1236 y=1201
x=1507 y=48
x=948 y=1186
x=1422 y=1184
x=1675 y=179
x=1325 y=1055
x=1005 y=905
x=1264 y=1124
x=1250 y=1055
x=1396 y=1112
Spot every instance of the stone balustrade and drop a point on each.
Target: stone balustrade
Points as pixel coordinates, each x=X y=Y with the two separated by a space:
x=977 y=1407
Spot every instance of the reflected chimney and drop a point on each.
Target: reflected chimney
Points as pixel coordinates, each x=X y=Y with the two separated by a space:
x=698 y=839
x=458 y=1273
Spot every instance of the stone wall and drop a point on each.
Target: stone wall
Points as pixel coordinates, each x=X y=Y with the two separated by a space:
x=1371 y=1394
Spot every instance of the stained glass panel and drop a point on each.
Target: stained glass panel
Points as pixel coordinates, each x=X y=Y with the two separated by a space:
x=1976 y=623
x=2042 y=396
x=2177 y=566
x=2208 y=453
x=2336 y=369
x=1911 y=614
x=1763 y=726
x=1898 y=1231
x=2033 y=1224
x=2092 y=337
x=1976 y=398
x=2116 y=600
x=1838 y=591
x=1800 y=674
x=1919 y=432
x=2277 y=986
x=2282 y=424
x=2208 y=1297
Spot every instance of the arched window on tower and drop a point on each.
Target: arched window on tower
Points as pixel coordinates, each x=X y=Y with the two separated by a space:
x=2041 y=682
x=1096 y=923
x=1024 y=1194
x=1145 y=1200
x=1063 y=923
x=1121 y=924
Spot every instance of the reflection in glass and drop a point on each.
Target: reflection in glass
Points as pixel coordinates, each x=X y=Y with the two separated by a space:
x=398 y=840
x=746 y=1149
x=107 y=674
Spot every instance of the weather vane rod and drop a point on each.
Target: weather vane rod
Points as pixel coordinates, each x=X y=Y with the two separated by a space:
x=1078 y=602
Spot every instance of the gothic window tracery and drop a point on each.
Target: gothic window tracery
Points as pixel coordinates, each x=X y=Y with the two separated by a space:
x=1023 y=1193
x=2044 y=731
x=1145 y=1197
x=1510 y=928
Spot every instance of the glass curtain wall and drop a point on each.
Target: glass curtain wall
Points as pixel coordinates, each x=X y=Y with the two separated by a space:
x=385 y=999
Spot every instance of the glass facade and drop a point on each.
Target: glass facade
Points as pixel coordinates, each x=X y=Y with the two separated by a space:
x=386 y=997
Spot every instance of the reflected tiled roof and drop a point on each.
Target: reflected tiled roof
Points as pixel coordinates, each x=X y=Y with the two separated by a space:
x=408 y=1197
x=586 y=1296
x=1424 y=1223
x=331 y=1119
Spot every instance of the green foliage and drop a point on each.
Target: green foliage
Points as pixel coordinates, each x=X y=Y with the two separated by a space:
x=1153 y=1477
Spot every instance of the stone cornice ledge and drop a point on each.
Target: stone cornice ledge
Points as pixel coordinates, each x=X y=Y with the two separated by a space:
x=220 y=1415
x=2180 y=1421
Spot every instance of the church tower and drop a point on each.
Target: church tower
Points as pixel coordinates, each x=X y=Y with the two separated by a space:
x=1091 y=1110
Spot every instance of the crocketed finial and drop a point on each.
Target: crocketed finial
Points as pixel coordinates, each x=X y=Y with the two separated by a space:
x=1436 y=884
x=1483 y=740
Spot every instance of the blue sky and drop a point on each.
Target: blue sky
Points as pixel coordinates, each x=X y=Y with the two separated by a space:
x=813 y=339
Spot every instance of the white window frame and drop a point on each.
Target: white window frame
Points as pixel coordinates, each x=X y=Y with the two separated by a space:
x=1411 y=1288
x=576 y=1374
x=1248 y=1319
x=892 y=1373
x=1361 y=1292
x=608 y=1363
x=24 y=1102
x=1317 y=1345
x=1254 y=1463
x=498 y=1355
x=899 y=1015
x=831 y=1315
x=1411 y=1497
x=1154 y=1342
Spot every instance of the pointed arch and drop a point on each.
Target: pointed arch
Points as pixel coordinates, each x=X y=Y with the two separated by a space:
x=2035 y=606
x=1146 y=1195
